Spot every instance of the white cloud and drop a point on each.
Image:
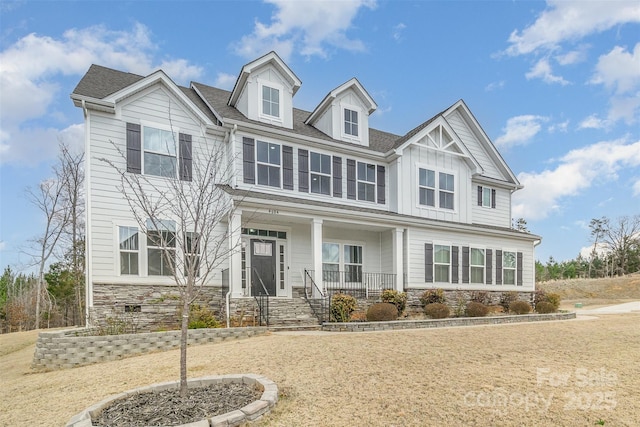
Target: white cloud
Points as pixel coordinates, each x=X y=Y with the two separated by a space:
x=619 y=70
x=225 y=81
x=587 y=251
x=542 y=70
x=593 y=122
x=577 y=171
x=559 y=127
x=494 y=86
x=572 y=57
x=636 y=188
x=397 y=31
x=568 y=21
x=307 y=27
x=520 y=130
x=29 y=147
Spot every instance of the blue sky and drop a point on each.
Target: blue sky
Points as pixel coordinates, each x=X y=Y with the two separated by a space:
x=555 y=85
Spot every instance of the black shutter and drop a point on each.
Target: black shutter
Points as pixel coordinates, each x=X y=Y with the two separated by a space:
x=134 y=147
x=248 y=160
x=381 y=185
x=337 y=176
x=479 y=195
x=498 y=267
x=455 y=276
x=287 y=167
x=465 y=264
x=489 y=266
x=303 y=170
x=351 y=179
x=493 y=198
x=428 y=262
x=519 y=269
x=186 y=158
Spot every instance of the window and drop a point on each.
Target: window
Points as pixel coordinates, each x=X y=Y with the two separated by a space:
x=159 y=152
x=161 y=247
x=441 y=262
x=477 y=265
x=320 y=173
x=486 y=197
x=191 y=253
x=330 y=262
x=128 y=238
x=268 y=164
x=270 y=101
x=446 y=190
x=366 y=182
x=353 y=263
x=267 y=233
x=350 y=122
x=282 y=267
x=509 y=268
x=427 y=187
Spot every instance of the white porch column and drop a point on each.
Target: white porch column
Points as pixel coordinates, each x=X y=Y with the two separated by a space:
x=235 y=246
x=316 y=253
x=398 y=257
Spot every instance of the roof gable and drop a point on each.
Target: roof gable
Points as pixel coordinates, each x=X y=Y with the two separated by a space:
x=353 y=85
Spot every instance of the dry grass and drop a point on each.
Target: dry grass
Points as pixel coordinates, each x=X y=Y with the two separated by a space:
x=407 y=378
x=594 y=293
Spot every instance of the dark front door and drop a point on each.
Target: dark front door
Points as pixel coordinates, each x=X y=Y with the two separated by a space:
x=263 y=266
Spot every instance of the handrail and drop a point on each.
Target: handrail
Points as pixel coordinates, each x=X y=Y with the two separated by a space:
x=308 y=274
x=264 y=288
x=321 y=315
x=263 y=311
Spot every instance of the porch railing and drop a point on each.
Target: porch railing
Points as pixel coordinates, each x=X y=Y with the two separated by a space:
x=319 y=306
x=354 y=282
x=262 y=299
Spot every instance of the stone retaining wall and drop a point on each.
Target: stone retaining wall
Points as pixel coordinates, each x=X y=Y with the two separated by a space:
x=75 y=347
x=440 y=323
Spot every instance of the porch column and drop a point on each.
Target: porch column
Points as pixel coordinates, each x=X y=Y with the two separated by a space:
x=398 y=257
x=235 y=246
x=316 y=253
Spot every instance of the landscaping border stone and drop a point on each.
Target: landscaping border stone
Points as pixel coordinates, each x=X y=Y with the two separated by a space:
x=250 y=412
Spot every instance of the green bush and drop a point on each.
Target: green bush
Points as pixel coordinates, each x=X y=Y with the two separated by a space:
x=483 y=297
x=202 y=317
x=544 y=307
x=382 y=312
x=399 y=299
x=519 y=307
x=507 y=298
x=437 y=310
x=432 y=296
x=342 y=305
x=554 y=299
x=476 y=309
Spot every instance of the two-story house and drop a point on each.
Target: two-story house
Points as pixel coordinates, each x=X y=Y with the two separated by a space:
x=322 y=200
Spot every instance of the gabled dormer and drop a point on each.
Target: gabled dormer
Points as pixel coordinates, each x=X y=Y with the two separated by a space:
x=264 y=91
x=344 y=113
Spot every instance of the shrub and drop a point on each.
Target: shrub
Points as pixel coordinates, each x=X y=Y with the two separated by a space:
x=544 y=307
x=399 y=299
x=507 y=298
x=554 y=300
x=358 y=316
x=538 y=296
x=382 y=312
x=483 y=297
x=519 y=307
x=201 y=317
x=432 y=296
x=437 y=310
x=476 y=309
x=461 y=302
x=342 y=305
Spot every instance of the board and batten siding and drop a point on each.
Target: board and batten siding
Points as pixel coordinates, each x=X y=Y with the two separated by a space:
x=417 y=237
x=109 y=209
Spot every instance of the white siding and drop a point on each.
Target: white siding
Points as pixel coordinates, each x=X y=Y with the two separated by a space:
x=499 y=216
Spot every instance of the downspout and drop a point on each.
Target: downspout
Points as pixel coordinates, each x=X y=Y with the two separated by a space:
x=88 y=300
x=232 y=141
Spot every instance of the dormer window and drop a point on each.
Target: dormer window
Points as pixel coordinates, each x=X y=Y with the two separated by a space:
x=270 y=101
x=351 y=122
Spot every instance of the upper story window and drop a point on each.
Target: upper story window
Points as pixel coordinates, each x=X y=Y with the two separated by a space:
x=320 y=173
x=477 y=265
x=270 y=101
x=350 y=122
x=128 y=246
x=268 y=163
x=366 y=182
x=430 y=182
x=486 y=197
x=160 y=157
x=509 y=268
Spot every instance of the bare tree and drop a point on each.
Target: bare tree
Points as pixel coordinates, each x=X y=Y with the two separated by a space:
x=621 y=238
x=597 y=230
x=183 y=218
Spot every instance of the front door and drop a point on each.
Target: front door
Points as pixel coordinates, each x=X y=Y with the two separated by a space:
x=263 y=267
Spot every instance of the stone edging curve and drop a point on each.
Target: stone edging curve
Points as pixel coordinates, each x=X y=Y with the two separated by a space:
x=250 y=412
x=441 y=323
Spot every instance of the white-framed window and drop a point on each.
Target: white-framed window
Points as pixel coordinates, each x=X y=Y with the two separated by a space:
x=346 y=258
x=320 y=169
x=366 y=179
x=268 y=163
x=476 y=265
x=442 y=263
x=191 y=253
x=161 y=247
x=129 y=245
x=436 y=189
x=351 y=122
x=270 y=101
x=486 y=197
x=331 y=262
x=159 y=152
x=352 y=263
x=509 y=264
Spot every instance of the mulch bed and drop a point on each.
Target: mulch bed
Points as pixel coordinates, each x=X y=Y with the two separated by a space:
x=167 y=408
